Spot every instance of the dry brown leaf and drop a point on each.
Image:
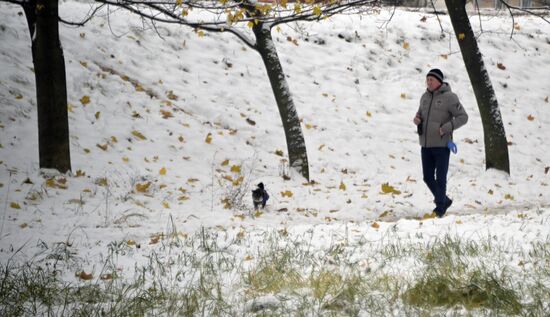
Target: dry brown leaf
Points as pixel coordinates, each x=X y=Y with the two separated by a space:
x=166 y=114
x=85 y=276
x=80 y=173
x=238 y=181
x=501 y=66
x=102 y=181
x=171 y=95
x=143 y=188
x=102 y=146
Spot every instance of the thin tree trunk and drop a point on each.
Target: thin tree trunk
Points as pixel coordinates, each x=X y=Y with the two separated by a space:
x=291 y=122
x=496 y=146
x=51 y=85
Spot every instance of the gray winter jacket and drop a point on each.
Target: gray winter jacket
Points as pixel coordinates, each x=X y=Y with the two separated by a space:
x=440 y=108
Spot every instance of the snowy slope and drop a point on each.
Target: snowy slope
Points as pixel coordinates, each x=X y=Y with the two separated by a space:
x=139 y=147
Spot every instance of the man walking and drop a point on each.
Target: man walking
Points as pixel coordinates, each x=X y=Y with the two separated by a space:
x=439 y=114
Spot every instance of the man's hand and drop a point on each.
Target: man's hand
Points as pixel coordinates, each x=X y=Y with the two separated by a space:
x=441 y=133
x=417 y=119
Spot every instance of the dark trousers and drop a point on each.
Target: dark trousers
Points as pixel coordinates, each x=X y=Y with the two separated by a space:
x=435 y=164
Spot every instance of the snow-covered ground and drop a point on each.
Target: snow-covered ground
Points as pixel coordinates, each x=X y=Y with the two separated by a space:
x=163 y=128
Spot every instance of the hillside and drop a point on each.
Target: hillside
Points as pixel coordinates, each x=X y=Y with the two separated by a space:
x=168 y=126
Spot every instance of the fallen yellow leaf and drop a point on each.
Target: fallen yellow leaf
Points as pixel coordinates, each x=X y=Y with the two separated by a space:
x=287 y=193
x=236 y=168
x=138 y=135
x=342 y=186
x=85 y=100
x=387 y=189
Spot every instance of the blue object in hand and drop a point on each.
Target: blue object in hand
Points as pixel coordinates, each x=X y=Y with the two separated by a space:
x=452 y=146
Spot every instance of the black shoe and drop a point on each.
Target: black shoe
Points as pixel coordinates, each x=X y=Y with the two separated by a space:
x=441 y=213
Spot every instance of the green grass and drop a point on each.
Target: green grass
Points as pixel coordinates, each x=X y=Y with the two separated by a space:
x=473 y=290
x=209 y=274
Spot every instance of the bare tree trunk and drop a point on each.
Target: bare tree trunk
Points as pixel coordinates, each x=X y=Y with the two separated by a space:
x=496 y=146
x=291 y=122
x=51 y=85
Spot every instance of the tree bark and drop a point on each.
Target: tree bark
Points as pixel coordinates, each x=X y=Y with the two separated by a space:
x=51 y=85
x=496 y=146
x=291 y=122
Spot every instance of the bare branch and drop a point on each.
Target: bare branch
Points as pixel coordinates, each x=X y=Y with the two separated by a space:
x=530 y=11
x=437 y=15
x=88 y=17
x=387 y=22
x=176 y=12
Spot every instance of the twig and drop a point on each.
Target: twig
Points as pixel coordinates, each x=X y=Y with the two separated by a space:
x=88 y=17
x=386 y=23
x=510 y=7
x=5 y=206
x=479 y=15
x=437 y=15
